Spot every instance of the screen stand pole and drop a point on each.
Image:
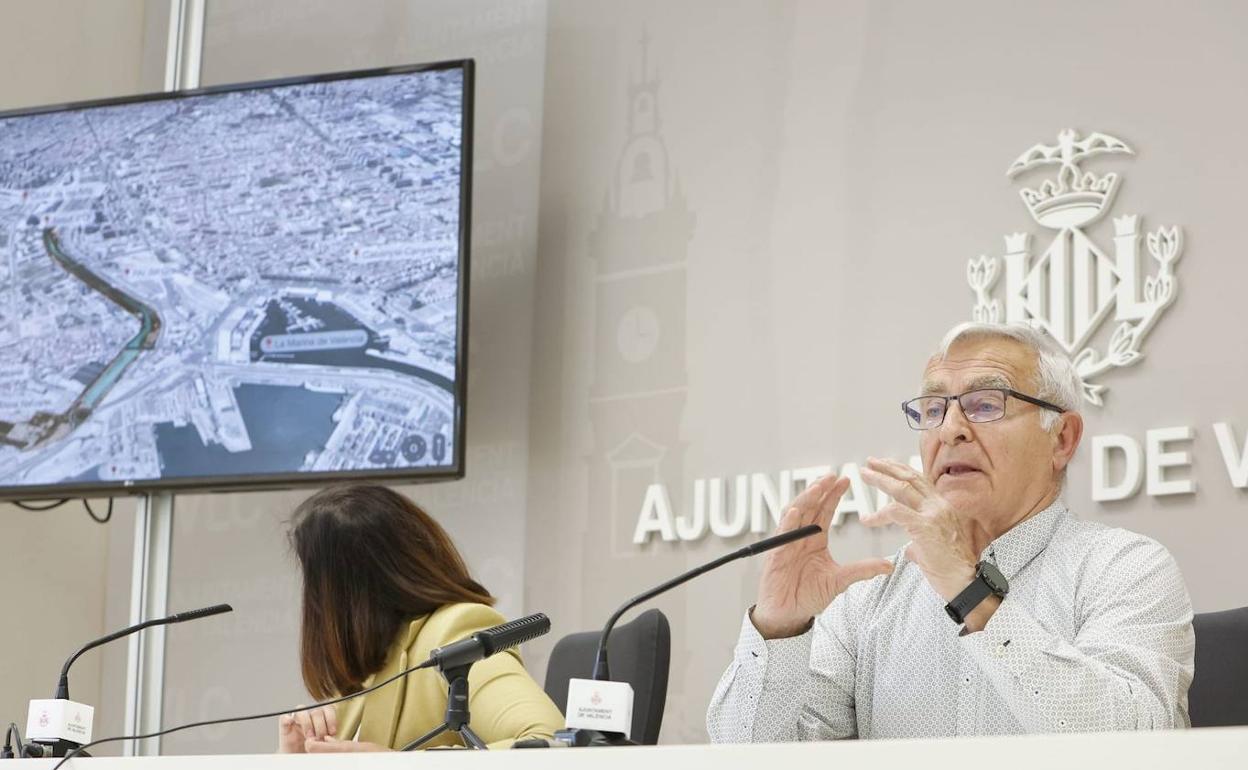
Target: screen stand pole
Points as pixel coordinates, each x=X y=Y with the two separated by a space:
x=184 y=52
x=149 y=598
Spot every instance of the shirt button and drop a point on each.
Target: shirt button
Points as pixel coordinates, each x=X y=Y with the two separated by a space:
x=999 y=651
x=967 y=680
x=1061 y=723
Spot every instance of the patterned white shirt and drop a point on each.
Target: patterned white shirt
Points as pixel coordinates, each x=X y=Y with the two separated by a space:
x=1094 y=634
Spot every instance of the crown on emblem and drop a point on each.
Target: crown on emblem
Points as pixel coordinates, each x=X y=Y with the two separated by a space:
x=1016 y=243
x=1074 y=198
x=1126 y=224
x=1060 y=205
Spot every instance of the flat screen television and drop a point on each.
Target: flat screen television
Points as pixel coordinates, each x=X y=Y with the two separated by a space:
x=248 y=286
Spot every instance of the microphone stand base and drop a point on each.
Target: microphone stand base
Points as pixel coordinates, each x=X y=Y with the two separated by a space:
x=457 y=715
x=579 y=737
x=50 y=749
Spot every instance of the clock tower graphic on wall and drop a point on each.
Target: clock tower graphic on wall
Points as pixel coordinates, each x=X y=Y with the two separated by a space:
x=639 y=247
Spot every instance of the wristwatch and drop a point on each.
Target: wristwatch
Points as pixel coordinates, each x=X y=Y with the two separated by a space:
x=988 y=580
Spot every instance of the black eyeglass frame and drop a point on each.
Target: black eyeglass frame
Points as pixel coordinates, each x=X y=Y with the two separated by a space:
x=1006 y=391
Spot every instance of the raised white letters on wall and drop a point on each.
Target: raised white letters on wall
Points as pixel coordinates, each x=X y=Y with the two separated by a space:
x=1122 y=466
x=755 y=504
x=1236 y=458
x=1158 y=463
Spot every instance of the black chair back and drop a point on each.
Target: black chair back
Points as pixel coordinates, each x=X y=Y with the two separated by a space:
x=640 y=653
x=1219 y=693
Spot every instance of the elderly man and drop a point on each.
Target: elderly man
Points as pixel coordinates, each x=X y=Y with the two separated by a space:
x=1003 y=614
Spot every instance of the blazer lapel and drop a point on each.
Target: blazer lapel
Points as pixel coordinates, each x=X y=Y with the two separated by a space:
x=380 y=720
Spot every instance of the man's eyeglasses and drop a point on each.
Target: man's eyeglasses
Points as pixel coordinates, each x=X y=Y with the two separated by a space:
x=982 y=405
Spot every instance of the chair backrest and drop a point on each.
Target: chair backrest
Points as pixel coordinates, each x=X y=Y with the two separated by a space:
x=1219 y=692
x=640 y=653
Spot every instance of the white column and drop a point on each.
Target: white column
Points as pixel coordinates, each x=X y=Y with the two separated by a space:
x=149 y=598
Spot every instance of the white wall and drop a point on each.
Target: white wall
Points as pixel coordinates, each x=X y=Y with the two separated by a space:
x=54 y=563
x=832 y=167
x=56 y=51
x=233 y=547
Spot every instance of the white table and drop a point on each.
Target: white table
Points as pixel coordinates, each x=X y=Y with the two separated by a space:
x=1223 y=748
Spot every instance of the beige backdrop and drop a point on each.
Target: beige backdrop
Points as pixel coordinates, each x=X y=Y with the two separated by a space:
x=754 y=224
x=824 y=172
x=232 y=548
x=56 y=566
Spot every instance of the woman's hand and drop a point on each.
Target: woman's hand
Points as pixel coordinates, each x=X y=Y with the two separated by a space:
x=296 y=730
x=335 y=746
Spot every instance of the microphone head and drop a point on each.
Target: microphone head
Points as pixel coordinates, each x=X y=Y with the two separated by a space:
x=784 y=538
x=215 y=609
x=513 y=633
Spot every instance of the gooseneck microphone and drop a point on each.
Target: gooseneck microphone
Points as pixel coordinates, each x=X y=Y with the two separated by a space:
x=62 y=686
x=485 y=643
x=601 y=668
x=59 y=727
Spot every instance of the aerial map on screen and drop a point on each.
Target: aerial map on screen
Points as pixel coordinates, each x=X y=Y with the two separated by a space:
x=250 y=283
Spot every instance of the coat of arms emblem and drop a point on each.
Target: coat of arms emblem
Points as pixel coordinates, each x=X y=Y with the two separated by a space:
x=1070 y=288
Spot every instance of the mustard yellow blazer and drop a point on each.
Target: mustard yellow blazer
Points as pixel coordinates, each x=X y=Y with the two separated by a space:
x=505 y=702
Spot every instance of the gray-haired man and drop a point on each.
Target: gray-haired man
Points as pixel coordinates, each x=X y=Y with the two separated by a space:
x=1004 y=613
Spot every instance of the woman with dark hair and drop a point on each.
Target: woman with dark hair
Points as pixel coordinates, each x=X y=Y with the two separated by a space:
x=383 y=586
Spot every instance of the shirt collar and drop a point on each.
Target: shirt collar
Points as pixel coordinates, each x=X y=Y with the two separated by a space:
x=1015 y=549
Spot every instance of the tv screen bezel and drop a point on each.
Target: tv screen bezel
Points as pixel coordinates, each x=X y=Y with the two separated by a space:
x=277 y=481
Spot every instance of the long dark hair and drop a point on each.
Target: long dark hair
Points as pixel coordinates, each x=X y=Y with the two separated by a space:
x=372 y=560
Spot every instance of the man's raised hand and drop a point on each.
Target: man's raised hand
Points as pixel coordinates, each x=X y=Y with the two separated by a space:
x=801 y=579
